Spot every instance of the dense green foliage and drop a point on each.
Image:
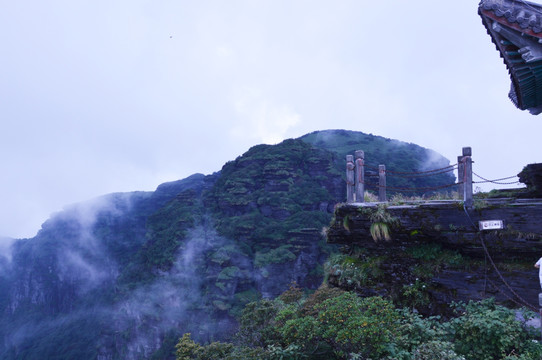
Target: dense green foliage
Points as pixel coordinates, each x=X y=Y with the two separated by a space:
x=487 y=331
x=405 y=274
x=185 y=258
x=166 y=228
x=331 y=324
x=350 y=271
x=273 y=190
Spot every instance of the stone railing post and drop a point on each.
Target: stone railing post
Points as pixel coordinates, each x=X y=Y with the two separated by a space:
x=382 y=183
x=360 y=176
x=467 y=176
x=460 y=176
x=349 y=178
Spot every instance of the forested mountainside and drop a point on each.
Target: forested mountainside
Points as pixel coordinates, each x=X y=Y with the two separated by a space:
x=124 y=275
x=397 y=156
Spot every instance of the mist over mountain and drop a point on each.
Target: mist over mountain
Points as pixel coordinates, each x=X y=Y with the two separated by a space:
x=124 y=275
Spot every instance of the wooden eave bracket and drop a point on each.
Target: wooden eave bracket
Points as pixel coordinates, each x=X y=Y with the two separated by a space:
x=508 y=38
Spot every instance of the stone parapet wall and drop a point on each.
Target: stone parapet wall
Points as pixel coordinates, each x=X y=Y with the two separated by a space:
x=451 y=228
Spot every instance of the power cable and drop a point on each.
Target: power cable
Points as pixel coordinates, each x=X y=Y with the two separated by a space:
x=523 y=301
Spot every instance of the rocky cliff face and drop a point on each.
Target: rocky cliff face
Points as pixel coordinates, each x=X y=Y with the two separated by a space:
x=123 y=276
x=68 y=285
x=531 y=175
x=141 y=268
x=435 y=253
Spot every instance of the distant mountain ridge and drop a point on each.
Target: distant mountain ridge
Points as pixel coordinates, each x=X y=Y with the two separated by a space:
x=123 y=275
x=396 y=155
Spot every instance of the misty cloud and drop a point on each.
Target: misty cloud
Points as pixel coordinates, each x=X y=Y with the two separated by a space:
x=43 y=329
x=262 y=119
x=174 y=299
x=84 y=261
x=111 y=205
x=181 y=65
x=88 y=273
x=5 y=247
x=434 y=161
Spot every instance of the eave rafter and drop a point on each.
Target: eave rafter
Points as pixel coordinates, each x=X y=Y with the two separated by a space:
x=515 y=27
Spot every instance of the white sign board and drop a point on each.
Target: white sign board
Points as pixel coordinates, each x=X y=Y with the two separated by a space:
x=491 y=225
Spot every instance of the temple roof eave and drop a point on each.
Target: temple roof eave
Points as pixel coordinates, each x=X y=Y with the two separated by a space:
x=515 y=27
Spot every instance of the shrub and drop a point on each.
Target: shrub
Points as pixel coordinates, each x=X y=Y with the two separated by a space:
x=279 y=255
x=352 y=271
x=257 y=323
x=381 y=222
x=413 y=330
x=292 y=295
x=416 y=294
x=323 y=293
x=486 y=331
x=441 y=350
x=354 y=325
x=186 y=348
x=291 y=352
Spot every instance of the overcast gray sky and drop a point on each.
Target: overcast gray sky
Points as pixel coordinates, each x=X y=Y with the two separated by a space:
x=110 y=96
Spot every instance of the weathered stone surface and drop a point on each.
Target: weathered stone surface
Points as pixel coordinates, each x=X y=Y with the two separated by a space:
x=514 y=249
x=272 y=279
x=531 y=175
x=448 y=223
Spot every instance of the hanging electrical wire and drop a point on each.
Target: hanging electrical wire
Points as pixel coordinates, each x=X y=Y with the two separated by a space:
x=522 y=302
